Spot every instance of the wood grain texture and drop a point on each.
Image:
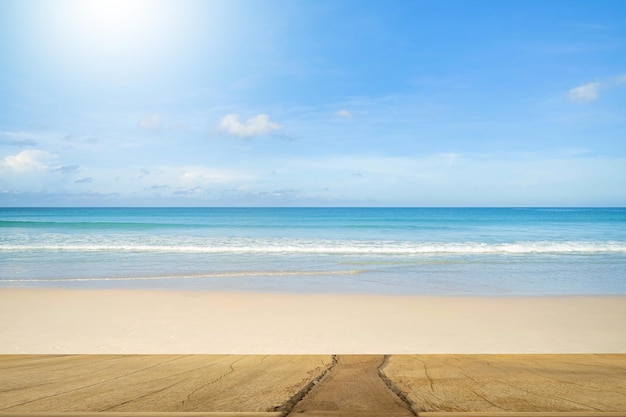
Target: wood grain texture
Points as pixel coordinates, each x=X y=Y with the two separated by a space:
x=507 y=383
x=313 y=385
x=155 y=383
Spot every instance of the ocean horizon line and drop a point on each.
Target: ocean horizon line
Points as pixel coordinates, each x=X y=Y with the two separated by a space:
x=310 y=207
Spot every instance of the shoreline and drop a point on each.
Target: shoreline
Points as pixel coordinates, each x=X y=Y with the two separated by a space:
x=78 y=321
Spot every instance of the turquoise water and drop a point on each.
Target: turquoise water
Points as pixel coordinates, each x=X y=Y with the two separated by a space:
x=456 y=251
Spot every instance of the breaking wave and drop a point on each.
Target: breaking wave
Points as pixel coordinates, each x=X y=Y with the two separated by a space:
x=317 y=246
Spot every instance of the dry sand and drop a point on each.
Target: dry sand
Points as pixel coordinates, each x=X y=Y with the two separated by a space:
x=46 y=321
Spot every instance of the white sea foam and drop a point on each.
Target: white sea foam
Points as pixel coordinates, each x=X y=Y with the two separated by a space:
x=443 y=251
x=318 y=246
x=229 y=274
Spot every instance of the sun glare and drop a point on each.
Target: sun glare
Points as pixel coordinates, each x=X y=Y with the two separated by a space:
x=114 y=24
x=105 y=38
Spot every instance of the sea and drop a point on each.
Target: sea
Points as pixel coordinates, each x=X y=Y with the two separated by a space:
x=387 y=251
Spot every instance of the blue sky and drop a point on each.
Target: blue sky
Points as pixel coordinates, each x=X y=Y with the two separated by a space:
x=312 y=103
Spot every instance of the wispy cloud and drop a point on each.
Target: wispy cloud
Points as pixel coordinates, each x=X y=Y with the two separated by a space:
x=19 y=142
x=88 y=139
x=346 y=114
x=158 y=122
x=20 y=138
x=66 y=169
x=585 y=93
x=259 y=125
x=152 y=122
x=200 y=175
x=589 y=92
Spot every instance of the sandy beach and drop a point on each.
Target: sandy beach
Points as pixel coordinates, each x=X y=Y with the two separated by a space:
x=273 y=355
x=54 y=321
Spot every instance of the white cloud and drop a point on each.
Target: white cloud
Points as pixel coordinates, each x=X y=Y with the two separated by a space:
x=258 y=125
x=346 y=114
x=585 y=93
x=29 y=160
